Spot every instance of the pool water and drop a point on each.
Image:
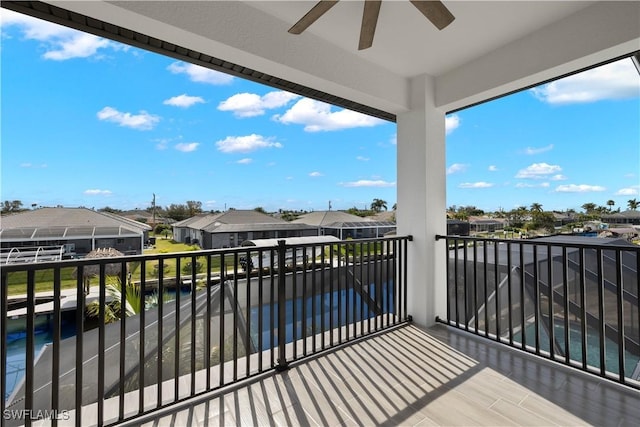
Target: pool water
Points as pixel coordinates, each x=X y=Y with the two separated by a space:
x=328 y=305
x=17 y=343
x=575 y=346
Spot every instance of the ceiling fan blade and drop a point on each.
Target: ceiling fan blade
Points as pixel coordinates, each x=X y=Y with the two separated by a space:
x=312 y=16
x=435 y=11
x=369 y=22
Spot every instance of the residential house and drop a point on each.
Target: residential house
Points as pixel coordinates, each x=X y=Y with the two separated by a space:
x=144 y=216
x=231 y=228
x=79 y=230
x=344 y=225
x=481 y=224
x=414 y=75
x=628 y=217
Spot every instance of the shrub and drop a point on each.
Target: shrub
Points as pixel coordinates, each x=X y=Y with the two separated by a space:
x=186 y=269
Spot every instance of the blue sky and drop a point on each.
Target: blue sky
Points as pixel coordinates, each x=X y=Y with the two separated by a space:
x=87 y=121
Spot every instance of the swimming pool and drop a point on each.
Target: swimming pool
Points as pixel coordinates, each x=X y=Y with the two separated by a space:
x=17 y=343
x=344 y=306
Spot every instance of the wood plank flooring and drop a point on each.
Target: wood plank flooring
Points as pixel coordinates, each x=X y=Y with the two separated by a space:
x=415 y=377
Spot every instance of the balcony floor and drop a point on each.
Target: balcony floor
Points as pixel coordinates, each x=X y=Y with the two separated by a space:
x=411 y=376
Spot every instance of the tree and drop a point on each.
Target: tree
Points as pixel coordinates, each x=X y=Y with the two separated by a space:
x=162 y=228
x=177 y=211
x=12 y=206
x=633 y=204
x=260 y=209
x=536 y=207
x=378 y=204
x=110 y=210
x=180 y=212
x=464 y=212
x=589 y=208
x=544 y=220
x=194 y=207
x=610 y=203
x=358 y=212
x=517 y=216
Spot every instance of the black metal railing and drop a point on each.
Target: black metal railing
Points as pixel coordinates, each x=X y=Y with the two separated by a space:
x=570 y=301
x=102 y=340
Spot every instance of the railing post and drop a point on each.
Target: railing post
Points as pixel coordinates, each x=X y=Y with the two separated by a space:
x=282 y=364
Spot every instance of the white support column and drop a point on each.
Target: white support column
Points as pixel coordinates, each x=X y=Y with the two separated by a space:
x=422 y=200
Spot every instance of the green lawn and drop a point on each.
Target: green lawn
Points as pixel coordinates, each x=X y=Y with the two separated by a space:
x=165 y=246
x=17 y=282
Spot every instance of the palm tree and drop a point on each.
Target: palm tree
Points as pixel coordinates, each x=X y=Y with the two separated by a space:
x=133 y=303
x=536 y=207
x=378 y=204
x=589 y=208
x=633 y=204
x=611 y=204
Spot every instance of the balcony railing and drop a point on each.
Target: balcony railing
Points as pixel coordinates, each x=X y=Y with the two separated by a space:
x=570 y=302
x=168 y=327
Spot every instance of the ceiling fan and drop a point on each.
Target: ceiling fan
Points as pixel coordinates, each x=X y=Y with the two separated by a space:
x=435 y=11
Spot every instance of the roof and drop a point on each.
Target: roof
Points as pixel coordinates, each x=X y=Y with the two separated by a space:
x=583 y=240
x=623 y=230
x=52 y=223
x=326 y=218
x=486 y=220
x=148 y=216
x=261 y=243
x=197 y=222
x=213 y=222
x=628 y=214
x=388 y=216
x=361 y=224
x=238 y=228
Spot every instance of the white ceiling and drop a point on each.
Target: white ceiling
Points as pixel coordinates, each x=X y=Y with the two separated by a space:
x=406 y=43
x=491 y=48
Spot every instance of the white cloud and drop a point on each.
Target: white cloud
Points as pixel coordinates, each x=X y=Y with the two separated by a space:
x=60 y=43
x=187 y=147
x=528 y=185
x=251 y=104
x=32 y=166
x=80 y=46
x=246 y=144
x=368 y=183
x=457 y=167
x=394 y=139
x=317 y=116
x=558 y=177
x=363 y=158
x=629 y=191
x=200 y=74
x=493 y=168
x=142 y=121
x=97 y=192
x=617 y=80
x=315 y=174
x=183 y=101
x=531 y=150
x=582 y=188
x=244 y=161
x=480 y=184
x=451 y=123
x=538 y=171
